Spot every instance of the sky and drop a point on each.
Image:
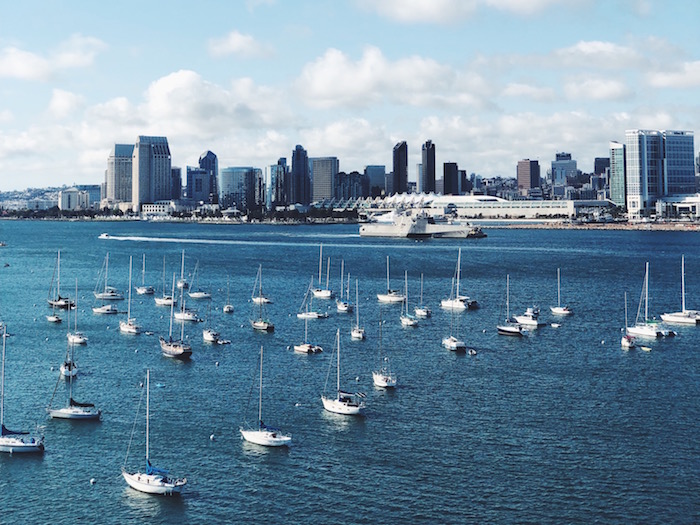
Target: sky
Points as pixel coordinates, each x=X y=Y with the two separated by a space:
x=490 y=82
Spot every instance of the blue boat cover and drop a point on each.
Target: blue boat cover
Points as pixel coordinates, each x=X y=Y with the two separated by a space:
x=150 y=469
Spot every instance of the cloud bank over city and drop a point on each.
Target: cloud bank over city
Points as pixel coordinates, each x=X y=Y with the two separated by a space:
x=489 y=82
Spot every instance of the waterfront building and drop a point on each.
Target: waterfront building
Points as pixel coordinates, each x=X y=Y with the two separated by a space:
x=151 y=175
x=93 y=191
x=118 y=176
x=209 y=163
x=617 y=177
x=427 y=182
x=324 y=176
x=450 y=179
x=300 y=183
x=528 y=175
x=73 y=199
x=376 y=177
x=400 y=174
x=658 y=164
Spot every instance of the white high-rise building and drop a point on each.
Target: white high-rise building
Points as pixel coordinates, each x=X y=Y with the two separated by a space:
x=324 y=177
x=151 y=176
x=119 y=170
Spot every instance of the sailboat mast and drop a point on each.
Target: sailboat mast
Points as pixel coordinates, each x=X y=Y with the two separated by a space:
x=337 y=336
x=182 y=267
x=172 y=307
x=2 y=382
x=357 y=304
x=646 y=293
x=58 y=276
x=405 y=285
x=558 y=286
x=128 y=307
x=421 y=289
x=75 y=305
x=106 y=270
x=260 y=396
x=342 y=270
x=459 y=264
x=387 y=273
x=320 y=259
x=163 y=275
x=148 y=408
x=625 y=313
x=683 y=283
x=507 y=296
x=328 y=273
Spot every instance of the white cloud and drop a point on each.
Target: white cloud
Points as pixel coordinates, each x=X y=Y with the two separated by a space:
x=76 y=52
x=525 y=7
x=687 y=75
x=585 y=88
x=599 y=54
x=541 y=94
x=64 y=103
x=236 y=43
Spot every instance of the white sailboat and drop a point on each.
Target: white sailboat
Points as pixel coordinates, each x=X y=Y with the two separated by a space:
x=153 y=480
x=260 y=298
x=106 y=292
x=383 y=377
x=195 y=292
x=264 y=435
x=457 y=301
x=129 y=326
x=55 y=299
x=261 y=323
x=228 y=307
x=357 y=332
x=509 y=326
x=53 y=317
x=391 y=296
x=75 y=409
x=144 y=289
x=643 y=326
x=627 y=340
x=182 y=282
x=344 y=306
x=76 y=337
x=166 y=299
x=422 y=311
x=176 y=348
x=345 y=403
x=323 y=293
x=306 y=309
x=406 y=318
x=14 y=441
x=684 y=316
x=210 y=334
x=559 y=309
x=306 y=347
x=452 y=342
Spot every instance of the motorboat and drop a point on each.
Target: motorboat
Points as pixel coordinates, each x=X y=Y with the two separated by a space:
x=529 y=319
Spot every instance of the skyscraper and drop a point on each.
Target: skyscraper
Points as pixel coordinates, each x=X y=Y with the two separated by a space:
x=238 y=187
x=324 y=172
x=376 y=175
x=198 y=185
x=300 y=187
x=400 y=173
x=276 y=185
x=563 y=168
x=118 y=176
x=450 y=179
x=151 y=175
x=617 y=182
x=427 y=185
x=209 y=163
x=528 y=175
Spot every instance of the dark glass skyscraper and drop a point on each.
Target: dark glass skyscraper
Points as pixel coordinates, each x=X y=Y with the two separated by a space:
x=209 y=163
x=400 y=174
x=427 y=185
x=451 y=179
x=300 y=187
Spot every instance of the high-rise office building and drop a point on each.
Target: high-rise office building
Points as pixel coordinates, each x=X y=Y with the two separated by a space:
x=209 y=162
x=617 y=181
x=600 y=164
x=119 y=171
x=563 y=168
x=324 y=176
x=300 y=183
x=400 y=173
x=427 y=184
x=176 y=183
x=198 y=185
x=658 y=163
x=276 y=185
x=377 y=179
x=450 y=180
x=238 y=187
x=151 y=175
x=528 y=172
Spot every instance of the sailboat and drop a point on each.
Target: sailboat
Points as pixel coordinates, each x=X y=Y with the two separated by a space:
x=627 y=340
x=261 y=323
x=510 y=326
x=209 y=334
x=383 y=377
x=357 y=332
x=53 y=317
x=452 y=342
x=228 y=307
x=144 y=289
x=559 y=309
x=55 y=299
x=421 y=310
x=457 y=301
x=14 y=441
x=107 y=292
x=68 y=368
x=260 y=298
x=643 y=326
x=391 y=296
x=74 y=410
x=177 y=348
x=182 y=282
x=153 y=480
x=167 y=299
x=195 y=292
x=684 y=316
x=129 y=326
x=344 y=306
x=264 y=435
x=346 y=403
x=75 y=337
x=323 y=293
x=305 y=309
x=406 y=318
x=306 y=347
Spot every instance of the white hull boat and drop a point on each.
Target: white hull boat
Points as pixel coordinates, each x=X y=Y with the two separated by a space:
x=559 y=309
x=509 y=326
x=687 y=317
x=530 y=318
x=84 y=411
x=175 y=348
x=166 y=300
x=106 y=309
x=344 y=403
x=643 y=326
x=454 y=344
x=307 y=348
x=262 y=325
x=129 y=326
x=209 y=335
x=77 y=338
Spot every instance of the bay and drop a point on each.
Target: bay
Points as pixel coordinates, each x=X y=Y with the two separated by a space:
x=560 y=426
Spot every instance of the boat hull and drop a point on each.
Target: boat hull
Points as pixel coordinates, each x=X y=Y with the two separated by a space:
x=688 y=317
x=263 y=326
x=77 y=413
x=512 y=330
x=77 y=338
x=129 y=327
x=165 y=301
x=384 y=380
x=357 y=333
x=153 y=484
x=21 y=444
x=307 y=348
x=391 y=297
x=145 y=290
x=175 y=349
x=339 y=407
x=560 y=310
x=108 y=309
x=322 y=293
x=266 y=438
x=454 y=344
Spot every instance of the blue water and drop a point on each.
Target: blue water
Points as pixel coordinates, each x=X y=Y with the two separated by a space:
x=561 y=426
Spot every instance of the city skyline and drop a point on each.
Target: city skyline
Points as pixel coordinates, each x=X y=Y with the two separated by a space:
x=344 y=79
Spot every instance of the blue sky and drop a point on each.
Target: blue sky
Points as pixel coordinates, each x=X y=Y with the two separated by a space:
x=488 y=81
